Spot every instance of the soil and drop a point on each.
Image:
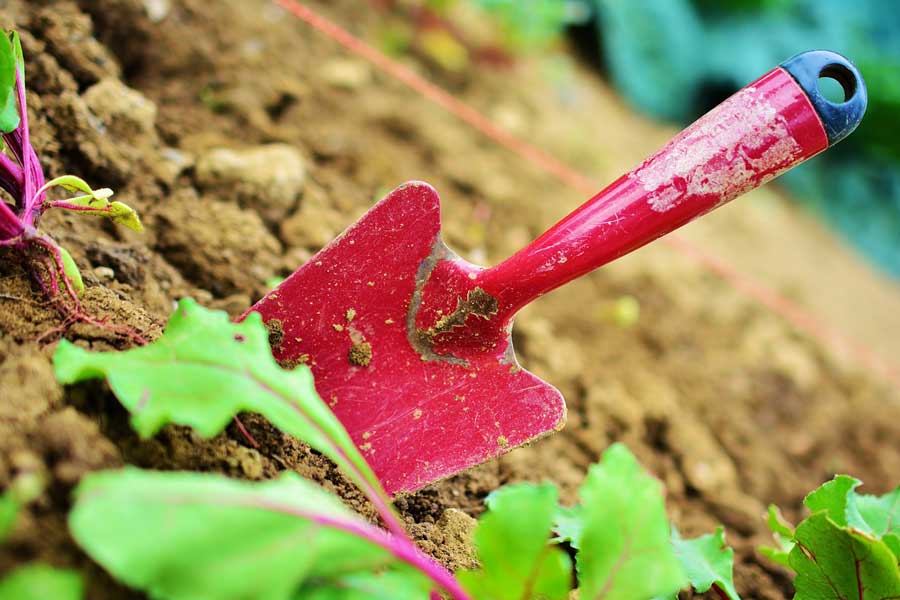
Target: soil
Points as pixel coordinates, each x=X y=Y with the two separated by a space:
x=721 y=399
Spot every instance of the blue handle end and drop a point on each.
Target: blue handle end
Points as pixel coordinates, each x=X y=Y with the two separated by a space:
x=838 y=118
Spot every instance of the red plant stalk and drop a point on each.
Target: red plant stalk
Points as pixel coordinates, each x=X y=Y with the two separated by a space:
x=22 y=177
x=401 y=547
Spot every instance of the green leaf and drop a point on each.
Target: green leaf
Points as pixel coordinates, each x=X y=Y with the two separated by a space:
x=878 y=516
x=512 y=540
x=625 y=551
x=193 y=535
x=389 y=585
x=783 y=533
x=203 y=371
x=95 y=206
x=708 y=561
x=40 y=582
x=93 y=202
x=16 y=45
x=71 y=183
x=777 y=523
x=9 y=510
x=9 y=107
x=123 y=214
x=837 y=563
x=70 y=270
x=568 y=525
x=832 y=497
x=780 y=557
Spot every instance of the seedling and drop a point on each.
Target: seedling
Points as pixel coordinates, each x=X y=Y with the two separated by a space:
x=849 y=546
x=22 y=178
x=189 y=535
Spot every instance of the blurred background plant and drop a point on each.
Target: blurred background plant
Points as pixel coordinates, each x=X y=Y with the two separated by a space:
x=676 y=59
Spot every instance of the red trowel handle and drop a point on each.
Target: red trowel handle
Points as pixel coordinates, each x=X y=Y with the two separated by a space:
x=773 y=124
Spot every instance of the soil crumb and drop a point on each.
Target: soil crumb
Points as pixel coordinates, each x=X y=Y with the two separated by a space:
x=276 y=332
x=361 y=354
x=477 y=302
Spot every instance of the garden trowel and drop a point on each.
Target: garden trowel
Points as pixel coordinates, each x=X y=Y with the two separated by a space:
x=410 y=345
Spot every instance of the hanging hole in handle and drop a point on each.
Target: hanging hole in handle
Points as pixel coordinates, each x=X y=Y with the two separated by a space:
x=836 y=83
x=813 y=71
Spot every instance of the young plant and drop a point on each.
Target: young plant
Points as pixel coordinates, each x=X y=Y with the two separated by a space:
x=202 y=372
x=188 y=535
x=848 y=547
x=22 y=178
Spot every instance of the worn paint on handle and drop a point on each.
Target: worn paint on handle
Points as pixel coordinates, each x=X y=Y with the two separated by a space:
x=755 y=135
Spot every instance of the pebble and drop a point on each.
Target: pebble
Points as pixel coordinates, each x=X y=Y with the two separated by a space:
x=345 y=73
x=122 y=111
x=104 y=273
x=268 y=179
x=157 y=10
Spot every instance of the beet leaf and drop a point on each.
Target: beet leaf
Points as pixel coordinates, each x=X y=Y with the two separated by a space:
x=708 y=561
x=512 y=541
x=832 y=497
x=848 y=548
x=386 y=585
x=93 y=202
x=783 y=534
x=40 y=582
x=621 y=532
x=193 y=535
x=203 y=371
x=836 y=563
x=9 y=112
x=878 y=516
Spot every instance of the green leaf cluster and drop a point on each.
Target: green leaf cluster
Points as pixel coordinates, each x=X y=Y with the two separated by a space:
x=848 y=547
x=512 y=540
x=624 y=545
x=189 y=535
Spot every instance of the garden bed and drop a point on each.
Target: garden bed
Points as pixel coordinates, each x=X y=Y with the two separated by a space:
x=722 y=400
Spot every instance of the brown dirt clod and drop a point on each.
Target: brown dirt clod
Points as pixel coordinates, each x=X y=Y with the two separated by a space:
x=360 y=354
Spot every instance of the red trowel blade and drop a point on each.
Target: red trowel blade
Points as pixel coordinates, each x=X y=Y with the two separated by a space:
x=349 y=313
